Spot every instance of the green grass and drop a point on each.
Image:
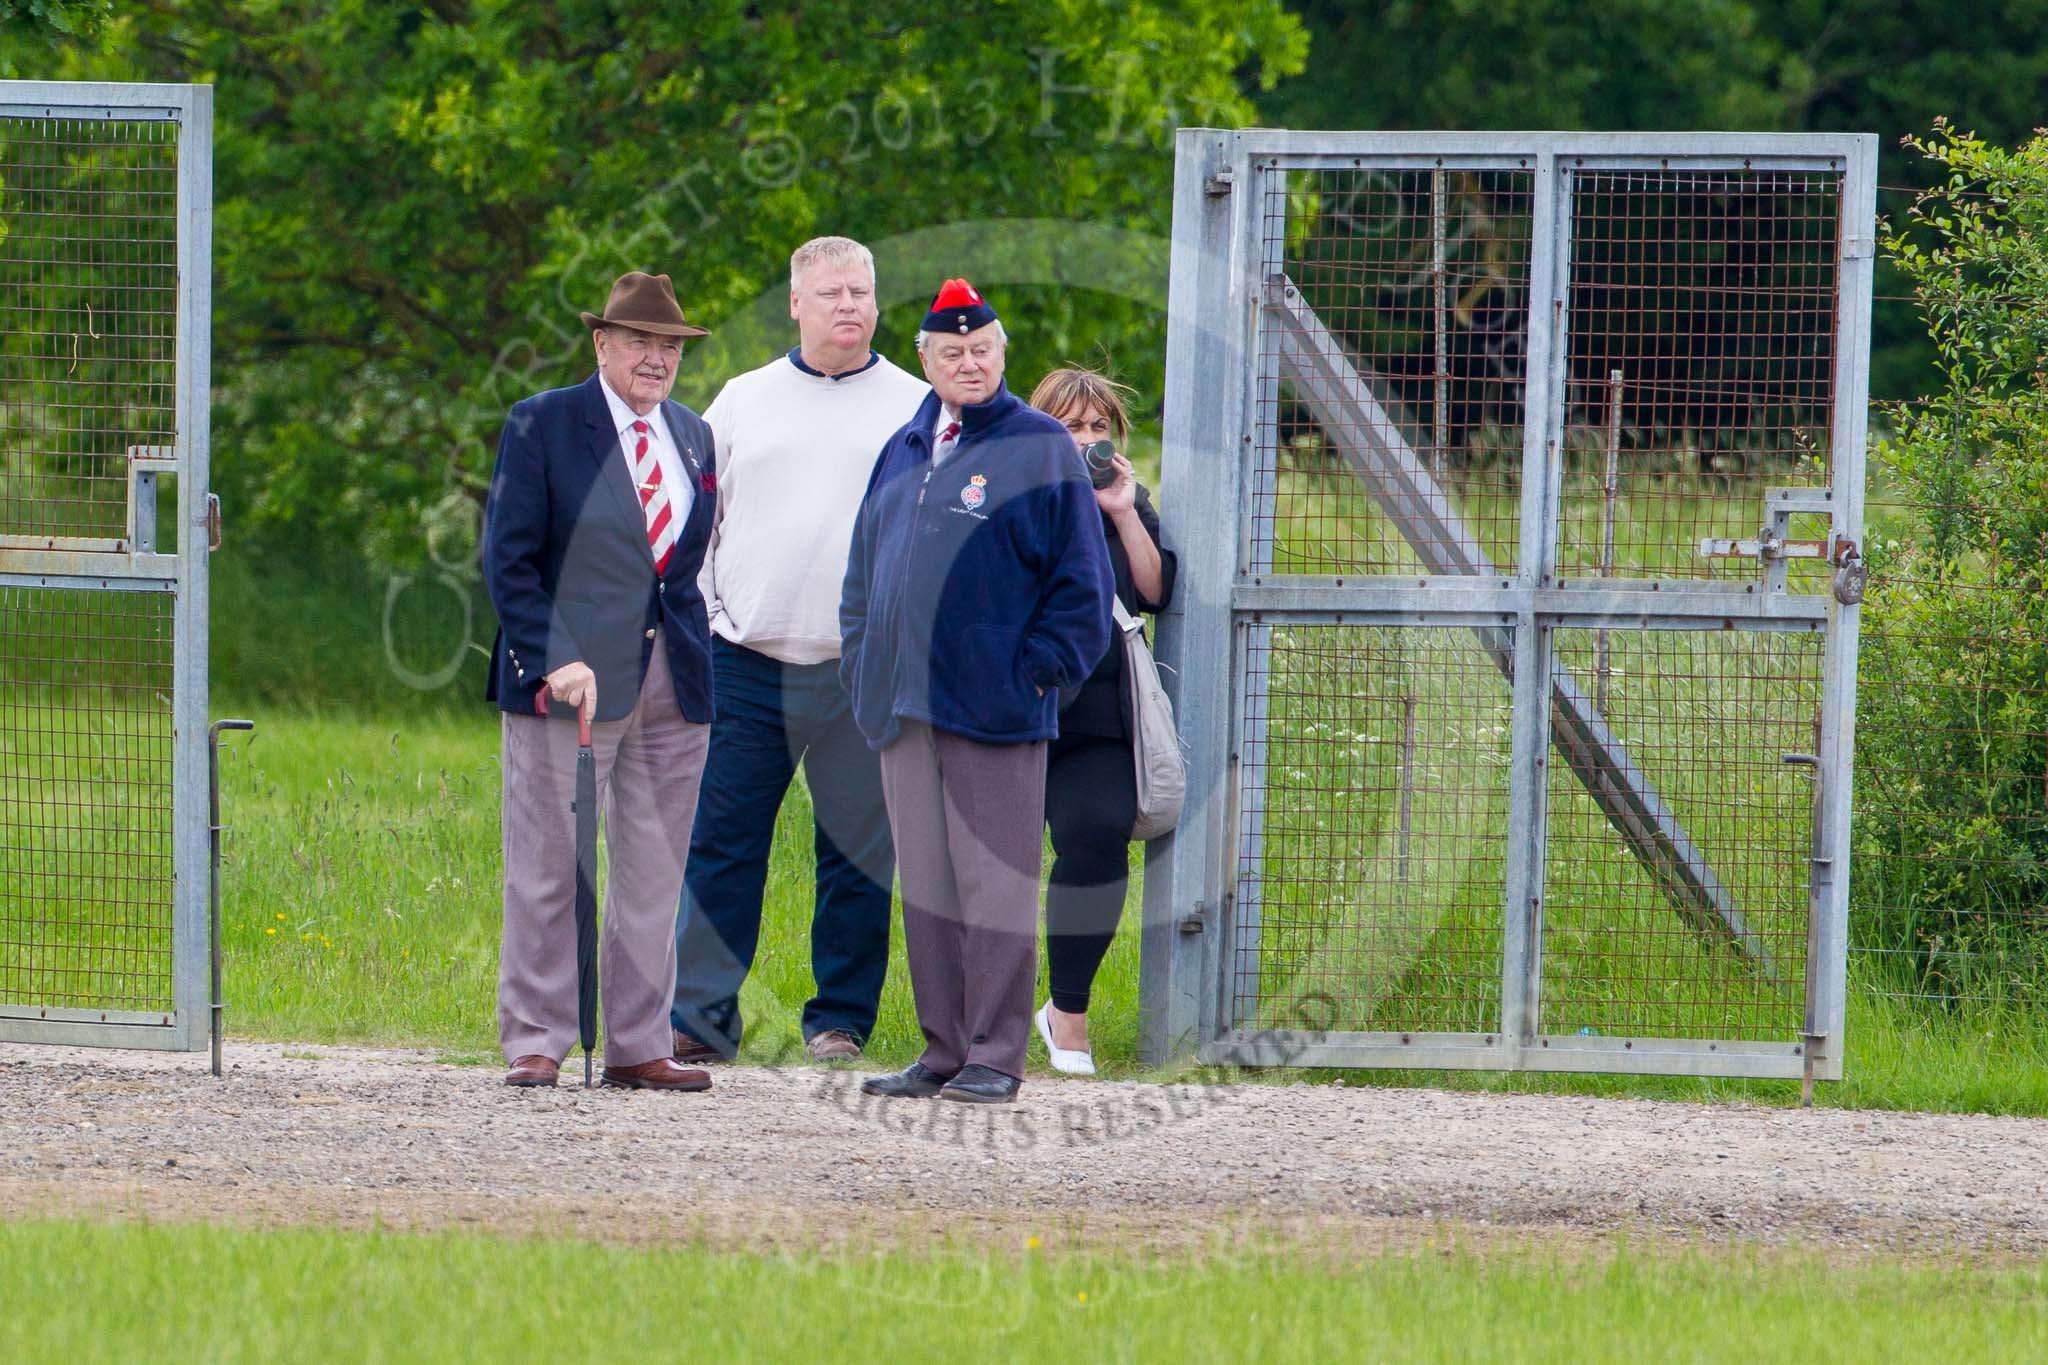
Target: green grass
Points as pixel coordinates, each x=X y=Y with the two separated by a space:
x=90 y=1292
x=361 y=876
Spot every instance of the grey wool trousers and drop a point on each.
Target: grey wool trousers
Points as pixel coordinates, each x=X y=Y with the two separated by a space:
x=968 y=820
x=649 y=766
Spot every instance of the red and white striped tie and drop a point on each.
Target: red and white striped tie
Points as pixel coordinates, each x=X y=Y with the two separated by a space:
x=654 y=500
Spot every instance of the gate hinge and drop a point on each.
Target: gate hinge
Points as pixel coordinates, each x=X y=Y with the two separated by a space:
x=1219 y=184
x=1197 y=920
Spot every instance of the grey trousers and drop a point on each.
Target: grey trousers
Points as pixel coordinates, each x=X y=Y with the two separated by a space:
x=968 y=819
x=648 y=768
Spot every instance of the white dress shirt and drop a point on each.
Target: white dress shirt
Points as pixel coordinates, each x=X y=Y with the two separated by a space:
x=675 y=475
x=947 y=416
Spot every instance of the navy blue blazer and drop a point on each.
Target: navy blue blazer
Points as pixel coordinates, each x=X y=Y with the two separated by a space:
x=568 y=566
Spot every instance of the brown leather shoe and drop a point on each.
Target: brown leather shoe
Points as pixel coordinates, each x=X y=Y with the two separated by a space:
x=533 y=1069
x=688 y=1049
x=660 y=1074
x=833 y=1045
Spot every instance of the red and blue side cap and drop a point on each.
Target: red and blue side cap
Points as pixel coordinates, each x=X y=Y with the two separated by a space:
x=958 y=308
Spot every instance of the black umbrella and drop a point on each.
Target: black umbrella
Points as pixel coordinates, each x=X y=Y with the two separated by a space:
x=586 y=891
x=585 y=809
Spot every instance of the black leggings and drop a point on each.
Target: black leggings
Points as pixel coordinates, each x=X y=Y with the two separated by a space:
x=1091 y=801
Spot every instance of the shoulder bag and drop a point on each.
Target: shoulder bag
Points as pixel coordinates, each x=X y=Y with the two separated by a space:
x=1155 y=743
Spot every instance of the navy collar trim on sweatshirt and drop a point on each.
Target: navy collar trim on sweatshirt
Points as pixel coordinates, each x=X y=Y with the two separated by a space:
x=796 y=358
x=986 y=414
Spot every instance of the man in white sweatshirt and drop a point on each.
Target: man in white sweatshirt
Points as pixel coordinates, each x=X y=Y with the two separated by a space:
x=797 y=440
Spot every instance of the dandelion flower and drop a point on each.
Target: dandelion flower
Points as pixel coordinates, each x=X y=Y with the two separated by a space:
x=271 y=930
x=1031 y=1244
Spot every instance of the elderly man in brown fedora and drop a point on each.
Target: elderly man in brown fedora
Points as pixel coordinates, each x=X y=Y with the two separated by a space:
x=598 y=515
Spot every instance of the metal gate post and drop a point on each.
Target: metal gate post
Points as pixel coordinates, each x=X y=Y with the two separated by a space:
x=191 y=760
x=1206 y=437
x=1838 y=700
x=1529 y=784
x=1264 y=192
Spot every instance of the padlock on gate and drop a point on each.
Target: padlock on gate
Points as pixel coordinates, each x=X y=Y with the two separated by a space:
x=1852 y=576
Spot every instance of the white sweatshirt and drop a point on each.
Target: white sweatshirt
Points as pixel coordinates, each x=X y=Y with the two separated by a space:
x=794 y=453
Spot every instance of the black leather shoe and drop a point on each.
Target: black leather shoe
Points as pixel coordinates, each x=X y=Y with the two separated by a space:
x=981 y=1085
x=914 y=1082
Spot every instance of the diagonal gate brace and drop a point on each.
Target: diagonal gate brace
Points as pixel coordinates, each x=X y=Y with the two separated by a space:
x=1372 y=443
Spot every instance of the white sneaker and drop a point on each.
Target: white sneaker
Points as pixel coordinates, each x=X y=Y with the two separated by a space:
x=1072 y=1063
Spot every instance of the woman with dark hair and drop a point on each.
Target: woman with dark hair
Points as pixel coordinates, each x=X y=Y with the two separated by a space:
x=1091 y=790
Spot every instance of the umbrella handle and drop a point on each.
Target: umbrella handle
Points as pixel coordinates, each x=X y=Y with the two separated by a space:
x=540 y=708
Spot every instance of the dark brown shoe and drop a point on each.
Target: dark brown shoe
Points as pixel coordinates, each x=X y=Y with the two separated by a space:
x=660 y=1074
x=533 y=1069
x=688 y=1049
x=833 y=1045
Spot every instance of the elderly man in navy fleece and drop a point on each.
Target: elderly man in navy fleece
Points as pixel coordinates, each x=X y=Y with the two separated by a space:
x=977 y=586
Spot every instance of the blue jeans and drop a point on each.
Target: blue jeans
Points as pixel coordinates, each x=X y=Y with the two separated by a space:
x=771 y=716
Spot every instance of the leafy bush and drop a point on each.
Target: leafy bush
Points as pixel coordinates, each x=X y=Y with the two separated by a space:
x=1952 y=810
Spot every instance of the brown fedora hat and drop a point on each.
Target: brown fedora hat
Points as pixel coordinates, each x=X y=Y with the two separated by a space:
x=645 y=303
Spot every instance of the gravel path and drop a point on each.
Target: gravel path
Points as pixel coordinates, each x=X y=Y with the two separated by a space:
x=351 y=1137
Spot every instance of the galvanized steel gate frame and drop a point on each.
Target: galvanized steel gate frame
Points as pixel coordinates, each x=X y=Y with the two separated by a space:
x=134 y=563
x=1224 y=291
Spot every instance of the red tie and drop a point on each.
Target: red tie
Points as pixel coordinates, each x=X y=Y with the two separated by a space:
x=654 y=503
x=946 y=441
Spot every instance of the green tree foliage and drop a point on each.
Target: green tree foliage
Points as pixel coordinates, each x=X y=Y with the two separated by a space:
x=1953 y=742
x=1863 y=66
x=53 y=22
x=415 y=200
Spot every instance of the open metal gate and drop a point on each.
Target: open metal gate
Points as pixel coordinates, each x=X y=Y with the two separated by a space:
x=105 y=257
x=1517 y=481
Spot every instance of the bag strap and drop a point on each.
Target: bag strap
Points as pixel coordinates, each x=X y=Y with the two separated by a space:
x=1124 y=620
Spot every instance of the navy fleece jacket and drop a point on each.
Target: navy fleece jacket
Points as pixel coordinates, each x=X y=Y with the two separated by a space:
x=973 y=585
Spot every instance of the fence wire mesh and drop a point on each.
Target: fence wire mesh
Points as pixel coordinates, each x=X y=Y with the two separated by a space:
x=88 y=318
x=1710 y=718
x=89 y=309
x=1700 y=366
x=86 y=874
x=1370 y=861
x=1421 y=277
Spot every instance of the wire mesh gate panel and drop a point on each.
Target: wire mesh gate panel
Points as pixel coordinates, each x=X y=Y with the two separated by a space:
x=105 y=253
x=1517 y=481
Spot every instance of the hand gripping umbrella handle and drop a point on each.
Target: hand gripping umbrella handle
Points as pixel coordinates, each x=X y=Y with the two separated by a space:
x=540 y=708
